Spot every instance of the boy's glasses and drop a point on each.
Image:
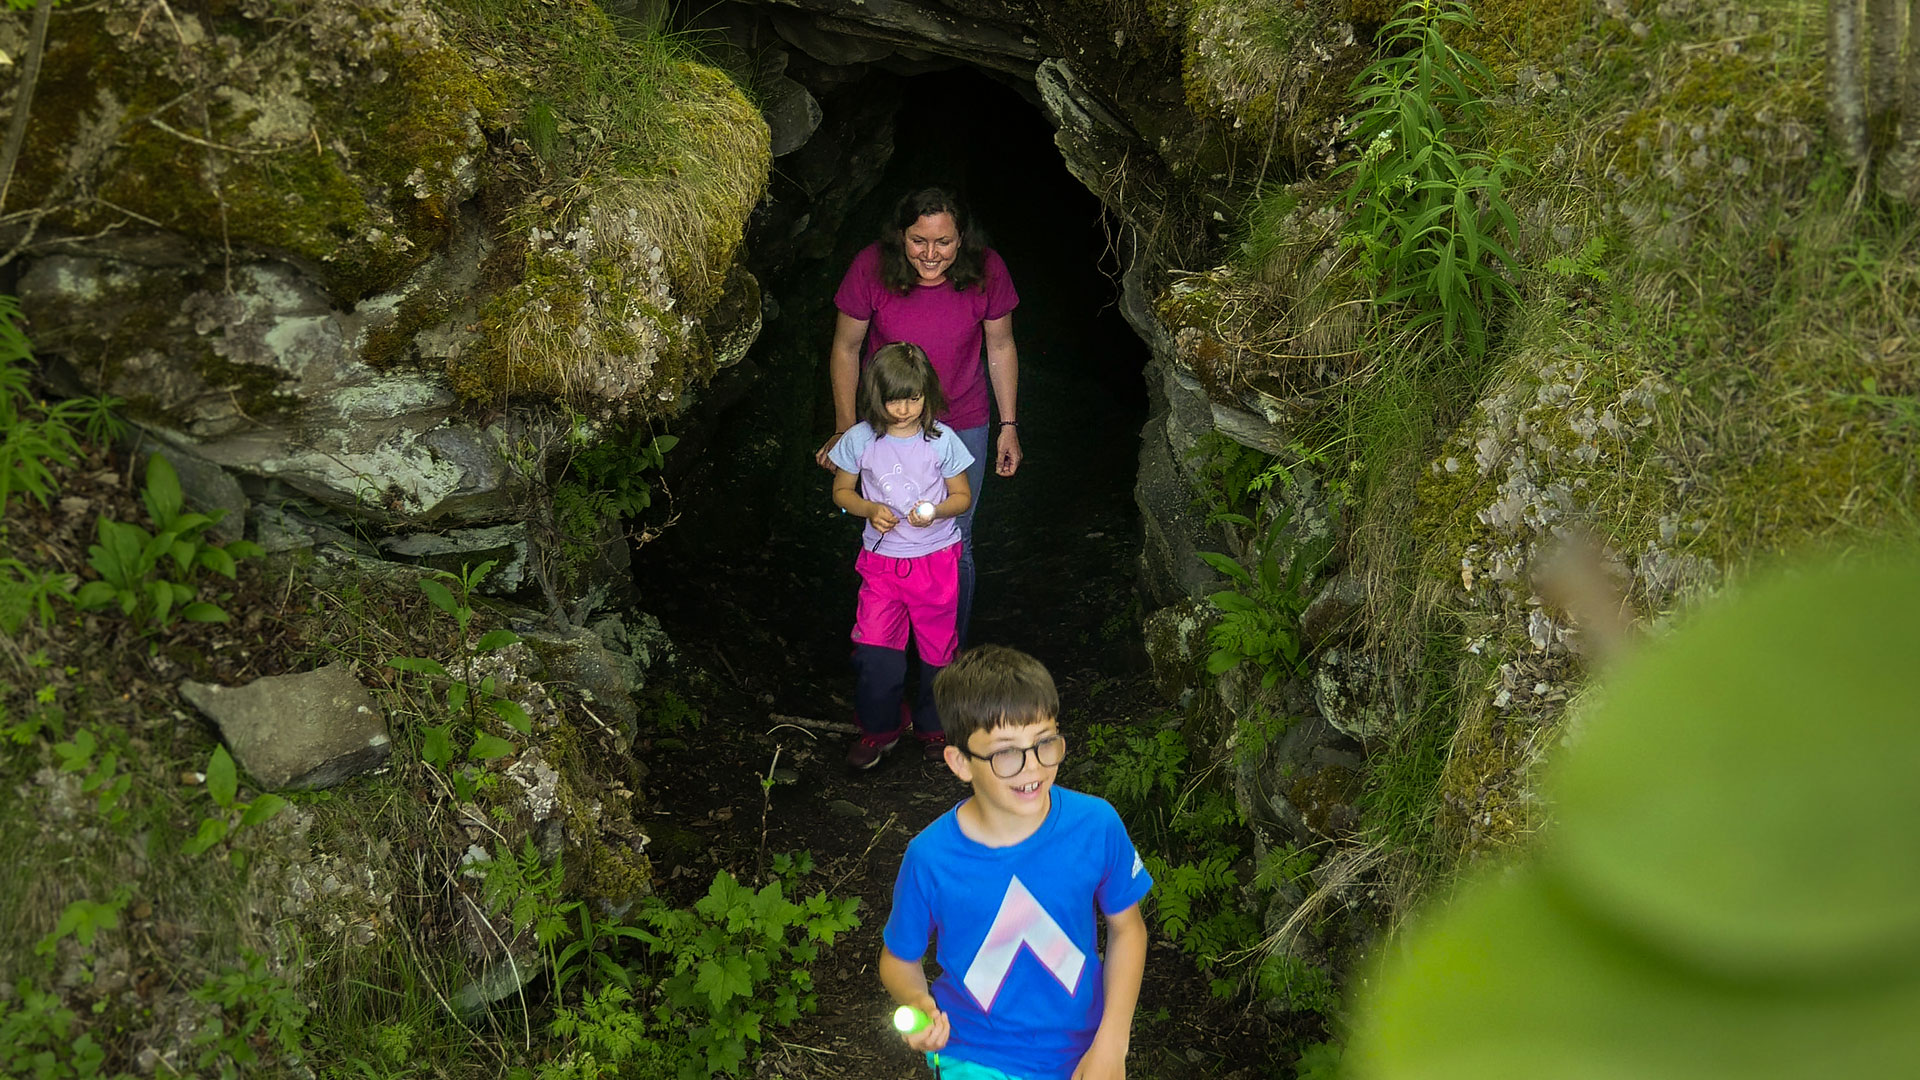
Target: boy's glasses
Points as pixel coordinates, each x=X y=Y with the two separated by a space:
x=1007 y=762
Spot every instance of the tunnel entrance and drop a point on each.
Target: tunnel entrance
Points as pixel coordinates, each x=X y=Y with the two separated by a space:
x=759 y=551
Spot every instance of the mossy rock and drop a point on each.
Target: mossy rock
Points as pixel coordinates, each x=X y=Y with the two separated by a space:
x=342 y=148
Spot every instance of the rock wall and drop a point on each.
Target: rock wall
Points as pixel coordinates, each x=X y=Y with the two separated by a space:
x=312 y=249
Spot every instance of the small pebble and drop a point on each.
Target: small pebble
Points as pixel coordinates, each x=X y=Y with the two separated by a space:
x=843 y=808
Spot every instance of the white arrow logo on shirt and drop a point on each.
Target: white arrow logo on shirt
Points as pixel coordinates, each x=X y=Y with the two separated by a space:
x=1022 y=921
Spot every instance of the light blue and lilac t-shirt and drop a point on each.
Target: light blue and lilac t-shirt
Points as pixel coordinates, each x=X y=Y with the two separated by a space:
x=901 y=472
x=1021 y=980
x=941 y=319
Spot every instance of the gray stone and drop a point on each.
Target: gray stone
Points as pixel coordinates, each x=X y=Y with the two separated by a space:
x=499 y=980
x=1177 y=647
x=208 y=488
x=604 y=678
x=1333 y=610
x=288 y=526
x=1170 y=560
x=826 y=46
x=299 y=732
x=506 y=546
x=792 y=114
x=1353 y=693
x=843 y=808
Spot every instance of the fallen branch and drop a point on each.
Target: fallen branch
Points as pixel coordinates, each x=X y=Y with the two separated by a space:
x=838 y=726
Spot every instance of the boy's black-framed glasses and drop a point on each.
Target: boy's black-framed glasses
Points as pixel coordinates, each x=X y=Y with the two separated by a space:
x=1007 y=761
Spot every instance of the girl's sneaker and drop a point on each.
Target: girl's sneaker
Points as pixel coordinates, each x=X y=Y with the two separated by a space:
x=867 y=750
x=933 y=745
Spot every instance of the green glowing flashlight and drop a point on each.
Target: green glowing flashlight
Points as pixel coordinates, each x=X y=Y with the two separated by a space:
x=907 y=1020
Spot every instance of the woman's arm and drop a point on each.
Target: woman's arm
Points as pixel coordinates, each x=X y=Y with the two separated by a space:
x=1003 y=372
x=843 y=368
x=1126 y=962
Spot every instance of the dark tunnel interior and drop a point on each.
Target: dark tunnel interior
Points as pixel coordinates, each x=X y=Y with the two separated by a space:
x=757 y=539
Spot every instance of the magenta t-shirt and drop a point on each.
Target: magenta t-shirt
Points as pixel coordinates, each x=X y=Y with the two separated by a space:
x=941 y=319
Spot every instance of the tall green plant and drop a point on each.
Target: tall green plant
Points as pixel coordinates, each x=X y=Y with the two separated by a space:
x=1424 y=211
x=149 y=575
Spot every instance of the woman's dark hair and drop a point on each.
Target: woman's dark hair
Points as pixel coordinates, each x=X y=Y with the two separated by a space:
x=900 y=370
x=969 y=263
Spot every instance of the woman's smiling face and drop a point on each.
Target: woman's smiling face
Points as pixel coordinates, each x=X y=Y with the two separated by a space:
x=931 y=243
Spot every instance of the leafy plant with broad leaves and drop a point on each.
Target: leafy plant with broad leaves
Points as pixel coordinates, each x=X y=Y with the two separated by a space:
x=232 y=815
x=1425 y=212
x=149 y=576
x=738 y=961
x=475 y=699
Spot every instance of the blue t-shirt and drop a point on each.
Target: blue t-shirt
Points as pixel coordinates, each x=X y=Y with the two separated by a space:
x=1020 y=979
x=901 y=472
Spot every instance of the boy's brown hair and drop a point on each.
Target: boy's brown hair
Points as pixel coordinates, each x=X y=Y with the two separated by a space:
x=900 y=370
x=989 y=686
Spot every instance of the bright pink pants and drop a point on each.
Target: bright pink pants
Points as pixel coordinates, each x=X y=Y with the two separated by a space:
x=921 y=595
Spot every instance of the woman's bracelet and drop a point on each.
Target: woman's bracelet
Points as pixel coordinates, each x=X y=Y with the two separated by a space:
x=1009 y=423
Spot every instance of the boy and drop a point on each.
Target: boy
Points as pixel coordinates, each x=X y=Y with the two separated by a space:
x=1008 y=882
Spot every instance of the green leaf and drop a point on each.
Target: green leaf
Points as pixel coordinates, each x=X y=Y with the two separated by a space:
x=441 y=596
x=1225 y=565
x=223 y=781
x=244 y=549
x=457 y=697
x=436 y=745
x=515 y=716
x=161 y=594
x=94 y=594
x=216 y=560
x=162 y=494
x=496 y=639
x=262 y=809
x=489 y=747
x=419 y=665
x=201 y=611
x=212 y=831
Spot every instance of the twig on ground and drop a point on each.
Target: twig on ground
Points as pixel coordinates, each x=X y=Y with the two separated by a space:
x=871 y=844
x=839 y=727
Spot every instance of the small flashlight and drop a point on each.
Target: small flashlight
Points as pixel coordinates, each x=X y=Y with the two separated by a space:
x=907 y=1020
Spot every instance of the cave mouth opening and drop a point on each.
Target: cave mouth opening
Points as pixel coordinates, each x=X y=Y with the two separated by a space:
x=757 y=537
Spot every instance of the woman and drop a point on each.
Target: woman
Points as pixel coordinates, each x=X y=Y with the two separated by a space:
x=930 y=280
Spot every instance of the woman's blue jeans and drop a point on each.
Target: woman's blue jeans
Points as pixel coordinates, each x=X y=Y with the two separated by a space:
x=975 y=440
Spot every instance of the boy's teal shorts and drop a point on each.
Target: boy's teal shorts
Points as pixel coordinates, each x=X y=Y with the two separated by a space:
x=953 y=1068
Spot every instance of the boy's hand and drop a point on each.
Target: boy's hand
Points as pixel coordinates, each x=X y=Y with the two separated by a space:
x=883 y=518
x=934 y=1036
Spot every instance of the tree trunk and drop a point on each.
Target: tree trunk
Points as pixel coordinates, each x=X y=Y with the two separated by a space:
x=23 y=99
x=1900 y=173
x=1846 y=102
x=1885 y=30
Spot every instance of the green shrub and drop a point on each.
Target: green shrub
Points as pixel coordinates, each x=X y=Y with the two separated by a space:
x=133 y=563
x=738 y=961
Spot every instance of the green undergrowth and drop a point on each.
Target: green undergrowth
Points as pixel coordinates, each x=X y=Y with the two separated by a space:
x=1700 y=361
x=481 y=905
x=1209 y=886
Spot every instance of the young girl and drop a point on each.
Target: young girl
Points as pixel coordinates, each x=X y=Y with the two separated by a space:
x=907 y=475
